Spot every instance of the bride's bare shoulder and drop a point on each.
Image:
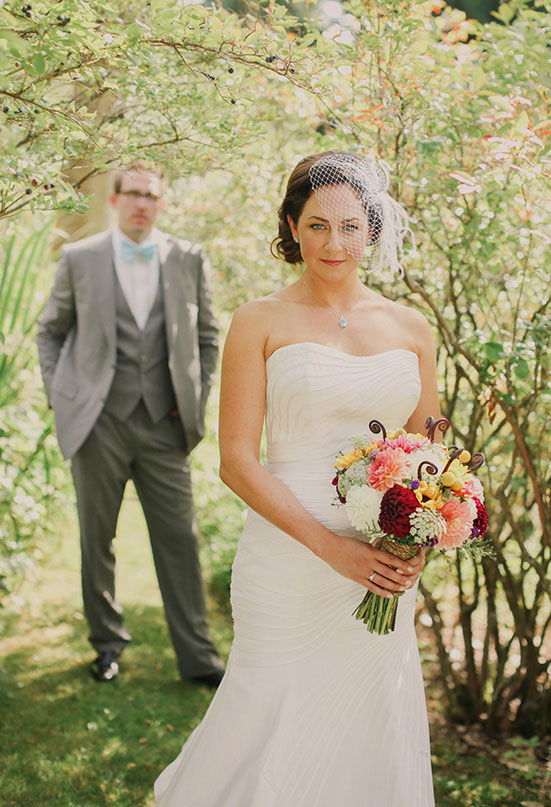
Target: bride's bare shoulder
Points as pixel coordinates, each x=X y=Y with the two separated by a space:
x=258 y=317
x=413 y=322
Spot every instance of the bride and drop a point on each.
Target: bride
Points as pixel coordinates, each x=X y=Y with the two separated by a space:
x=313 y=710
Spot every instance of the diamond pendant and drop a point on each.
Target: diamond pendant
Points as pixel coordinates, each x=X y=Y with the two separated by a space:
x=342 y=322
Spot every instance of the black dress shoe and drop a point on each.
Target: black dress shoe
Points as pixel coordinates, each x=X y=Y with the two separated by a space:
x=106 y=666
x=211 y=680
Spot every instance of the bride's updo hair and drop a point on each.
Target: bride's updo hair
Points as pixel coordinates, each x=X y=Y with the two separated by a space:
x=369 y=180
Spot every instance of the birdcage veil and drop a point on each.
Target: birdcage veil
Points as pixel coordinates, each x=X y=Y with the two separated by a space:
x=375 y=239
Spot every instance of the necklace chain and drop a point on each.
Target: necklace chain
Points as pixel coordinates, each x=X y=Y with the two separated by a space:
x=341 y=321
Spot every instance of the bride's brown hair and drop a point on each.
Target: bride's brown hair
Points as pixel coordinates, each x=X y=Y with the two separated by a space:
x=297 y=193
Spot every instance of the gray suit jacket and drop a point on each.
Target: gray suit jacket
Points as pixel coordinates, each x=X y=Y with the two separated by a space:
x=77 y=335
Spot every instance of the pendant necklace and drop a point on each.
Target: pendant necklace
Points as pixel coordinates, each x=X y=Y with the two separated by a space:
x=341 y=321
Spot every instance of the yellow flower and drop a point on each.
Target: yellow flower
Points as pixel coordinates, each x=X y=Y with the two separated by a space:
x=429 y=495
x=457 y=474
x=348 y=459
x=397 y=433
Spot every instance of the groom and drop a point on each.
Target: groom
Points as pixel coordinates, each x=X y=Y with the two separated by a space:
x=128 y=346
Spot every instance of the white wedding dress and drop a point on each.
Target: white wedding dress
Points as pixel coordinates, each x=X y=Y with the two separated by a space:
x=313 y=710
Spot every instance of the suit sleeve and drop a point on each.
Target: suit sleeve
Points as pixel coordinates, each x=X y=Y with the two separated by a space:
x=207 y=330
x=55 y=323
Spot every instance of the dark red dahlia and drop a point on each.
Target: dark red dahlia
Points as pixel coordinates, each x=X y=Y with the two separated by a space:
x=396 y=507
x=480 y=524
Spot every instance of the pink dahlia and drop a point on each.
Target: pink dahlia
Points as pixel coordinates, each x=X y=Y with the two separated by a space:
x=473 y=488
x=388 y=468
x=407 y=442
x=459 y=523
x=396 y=507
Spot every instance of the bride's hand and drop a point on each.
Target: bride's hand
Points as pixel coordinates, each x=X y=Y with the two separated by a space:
x=360 y=562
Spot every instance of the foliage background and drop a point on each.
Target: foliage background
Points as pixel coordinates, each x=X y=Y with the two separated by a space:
x=229 y=102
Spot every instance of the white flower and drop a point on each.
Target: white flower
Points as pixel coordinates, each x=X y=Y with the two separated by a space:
x=434 y=453
x=476 y=487
x=362 y=508
x=355 y=475
x=473 y=512
x=427 y=526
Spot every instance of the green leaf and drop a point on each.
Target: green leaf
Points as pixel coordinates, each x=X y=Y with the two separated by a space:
x=39 y=64
x=505 y=13
x=14 y=42
x=522 y=368
x=493 y=350
x=522 y=123
x=479 y=77
x=134 y=33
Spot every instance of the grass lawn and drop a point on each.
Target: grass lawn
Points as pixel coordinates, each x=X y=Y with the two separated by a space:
x=68 y=741
x=65 y=739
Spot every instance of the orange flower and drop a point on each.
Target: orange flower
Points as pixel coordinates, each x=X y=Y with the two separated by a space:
x=459 y=523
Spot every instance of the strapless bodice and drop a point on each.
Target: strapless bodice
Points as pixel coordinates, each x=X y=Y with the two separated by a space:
x=317 y=398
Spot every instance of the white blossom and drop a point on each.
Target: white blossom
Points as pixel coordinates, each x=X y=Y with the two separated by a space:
x=427 y=526
x=355 y=474
x=362 y=508
x=434 y=453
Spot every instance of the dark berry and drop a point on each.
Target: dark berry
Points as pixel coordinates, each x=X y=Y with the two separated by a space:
x=59 y=18
x=36 y=111
x=233 y=101
x=230 y=70
x=28 y=191
x=270 y=59
x=5 y=109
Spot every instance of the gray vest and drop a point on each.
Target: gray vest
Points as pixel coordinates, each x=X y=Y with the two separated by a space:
x=142 y=362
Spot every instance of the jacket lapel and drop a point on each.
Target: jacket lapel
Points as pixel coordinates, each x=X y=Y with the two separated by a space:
x=173 y=278
x=102 y=268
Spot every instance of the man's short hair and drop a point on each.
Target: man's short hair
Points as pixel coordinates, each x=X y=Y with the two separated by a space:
x=137 y=166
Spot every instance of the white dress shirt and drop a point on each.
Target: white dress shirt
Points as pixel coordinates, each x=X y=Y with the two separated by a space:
x=138 y=278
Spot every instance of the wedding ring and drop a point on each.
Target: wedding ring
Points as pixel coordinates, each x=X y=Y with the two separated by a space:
x=371 y=577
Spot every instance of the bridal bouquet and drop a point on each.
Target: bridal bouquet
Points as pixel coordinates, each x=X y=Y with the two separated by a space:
x=410 y=492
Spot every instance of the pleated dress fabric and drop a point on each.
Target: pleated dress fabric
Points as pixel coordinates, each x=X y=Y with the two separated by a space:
x=313 y=710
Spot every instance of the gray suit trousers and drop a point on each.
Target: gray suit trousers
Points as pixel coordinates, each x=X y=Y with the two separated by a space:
x=151 y=455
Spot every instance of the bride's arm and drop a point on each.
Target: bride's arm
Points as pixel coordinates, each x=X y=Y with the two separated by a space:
x=242 y=408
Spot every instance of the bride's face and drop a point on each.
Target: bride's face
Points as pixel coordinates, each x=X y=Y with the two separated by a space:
x=332 y=229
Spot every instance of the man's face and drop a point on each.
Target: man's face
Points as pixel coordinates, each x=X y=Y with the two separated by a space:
x=138 y=203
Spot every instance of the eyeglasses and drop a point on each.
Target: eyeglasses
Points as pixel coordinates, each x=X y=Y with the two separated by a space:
x=135 y=195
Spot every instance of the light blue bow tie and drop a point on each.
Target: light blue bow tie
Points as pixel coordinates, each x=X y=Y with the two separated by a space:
x=130 y=251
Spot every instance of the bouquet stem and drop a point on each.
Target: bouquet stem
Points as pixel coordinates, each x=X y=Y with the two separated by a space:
x=379 y=613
